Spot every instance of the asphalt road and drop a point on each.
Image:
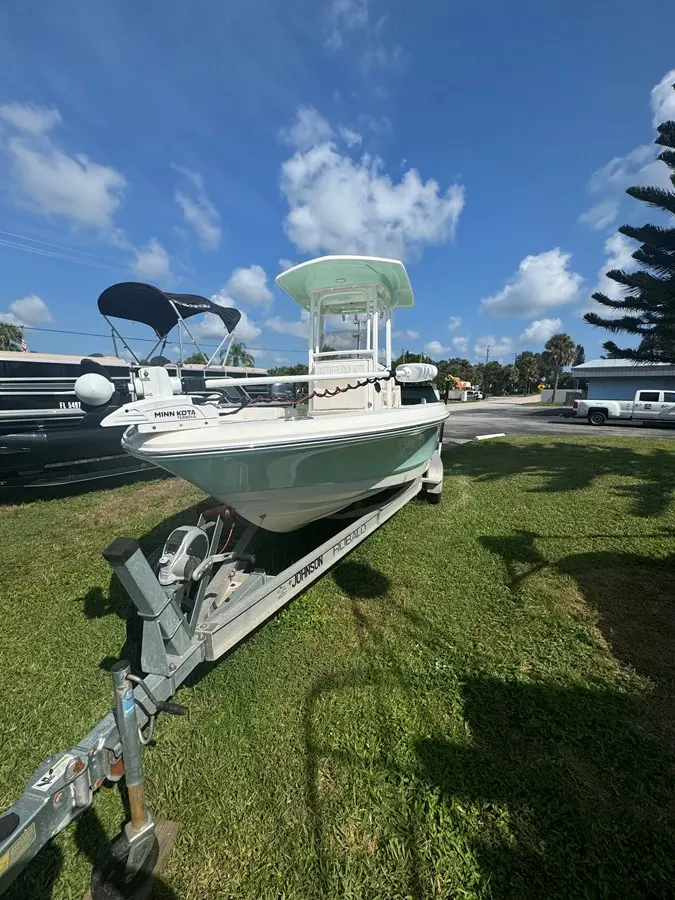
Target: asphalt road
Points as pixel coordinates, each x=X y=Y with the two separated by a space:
x=467 y=421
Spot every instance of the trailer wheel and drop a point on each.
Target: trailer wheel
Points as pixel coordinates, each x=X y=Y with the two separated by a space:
x=107 y=878
x=597 y=417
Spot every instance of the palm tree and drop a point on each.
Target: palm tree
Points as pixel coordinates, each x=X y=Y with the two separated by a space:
x=561 y=350
x=10 y=336
x=238 y=355
x=528 y=369
x=196 y=358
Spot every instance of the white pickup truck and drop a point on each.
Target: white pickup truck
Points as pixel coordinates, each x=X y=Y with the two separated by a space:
x=646 y=406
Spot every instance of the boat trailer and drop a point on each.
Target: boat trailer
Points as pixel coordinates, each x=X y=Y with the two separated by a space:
x=193 y=605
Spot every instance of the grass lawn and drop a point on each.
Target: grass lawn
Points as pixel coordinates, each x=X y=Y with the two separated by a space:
x=477 y=703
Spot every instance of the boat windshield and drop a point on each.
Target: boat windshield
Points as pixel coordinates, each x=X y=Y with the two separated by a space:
x=347 y=335
x=349 y=321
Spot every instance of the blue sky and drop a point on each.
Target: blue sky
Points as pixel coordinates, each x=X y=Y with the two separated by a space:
x=203 y=146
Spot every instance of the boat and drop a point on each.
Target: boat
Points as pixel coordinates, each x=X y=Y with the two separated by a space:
x=49 y=438
x=281 y=467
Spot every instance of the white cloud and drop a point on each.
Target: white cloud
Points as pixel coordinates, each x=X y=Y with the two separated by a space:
x=31 y=310
x=454 y=322
x=408 y=333
x=620 y=170
x=299 y=329
x=541 y=283
x=50 y=181
x=380 y=128
x=198 y=210
x=28 y=310
x=499 y=347
x=345 y=16
x=539 y=331
x=152 y=262
x=435 y=348
x=379 y=53
x=637 y=167
x=212 y=327
x=286 y=264
x=249 y=285
x=351 y=18
x=663 y=99
x=308 y=129
x=337 y=205
x=601 y=215
x=281 y=360
x=73 y=187
x=460 y=344
x=351 y=138
x=30 y=118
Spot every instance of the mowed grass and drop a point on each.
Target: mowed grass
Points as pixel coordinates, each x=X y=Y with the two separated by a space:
x=477 y=703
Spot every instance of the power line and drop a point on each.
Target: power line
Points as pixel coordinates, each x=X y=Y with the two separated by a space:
x=53 y=255
x=32 y=240
x=146 y=340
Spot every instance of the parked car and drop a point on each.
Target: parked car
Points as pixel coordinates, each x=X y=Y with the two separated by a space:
x=475 y=395
x=646 y=406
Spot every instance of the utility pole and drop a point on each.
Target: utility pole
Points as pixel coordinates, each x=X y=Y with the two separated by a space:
x=487 y=354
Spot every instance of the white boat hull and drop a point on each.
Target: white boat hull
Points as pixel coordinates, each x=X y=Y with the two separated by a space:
x=282 y=475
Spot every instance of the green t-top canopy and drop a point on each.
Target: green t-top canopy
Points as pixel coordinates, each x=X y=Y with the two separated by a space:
x=331 y=273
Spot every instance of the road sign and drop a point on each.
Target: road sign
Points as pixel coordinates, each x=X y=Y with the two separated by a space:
x=541 y=387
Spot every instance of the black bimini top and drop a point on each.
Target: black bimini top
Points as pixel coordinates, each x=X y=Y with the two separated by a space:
x=145 y=303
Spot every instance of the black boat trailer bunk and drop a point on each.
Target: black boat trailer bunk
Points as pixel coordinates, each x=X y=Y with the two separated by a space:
x=230 y=598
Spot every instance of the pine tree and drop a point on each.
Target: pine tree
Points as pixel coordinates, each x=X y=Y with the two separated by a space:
x=580 y=357
x=647 y=309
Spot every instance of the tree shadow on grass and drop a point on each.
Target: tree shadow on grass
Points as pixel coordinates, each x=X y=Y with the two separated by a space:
x=558 y=791
x=572 y=801
x=634 y=598
x=631 y=600
x=570 y=466
x=360 y=581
